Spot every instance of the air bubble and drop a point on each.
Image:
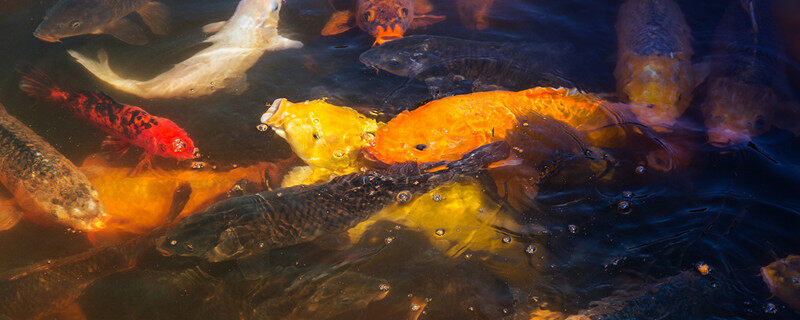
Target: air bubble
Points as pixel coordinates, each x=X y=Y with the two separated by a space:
x=639 y=170
x=403 y=196
x=624 y=207
x=440 y=232
x=530 y=249
x=627 y=194
x=770 y=308
x=437 y=197
x=507 y=239
x=262 y=127
x=388 y=240
x=573 y=228
x=383 y=287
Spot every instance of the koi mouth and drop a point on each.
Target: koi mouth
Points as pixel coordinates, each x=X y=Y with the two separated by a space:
x=45 y=37
x=272 y=111
x=385 y=35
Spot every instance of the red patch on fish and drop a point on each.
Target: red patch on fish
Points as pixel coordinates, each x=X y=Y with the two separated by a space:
x=126 y=124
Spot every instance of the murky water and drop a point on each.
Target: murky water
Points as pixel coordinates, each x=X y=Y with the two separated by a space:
x=734 y=209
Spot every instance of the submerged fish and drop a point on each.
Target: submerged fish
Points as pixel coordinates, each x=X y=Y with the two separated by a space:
x=241 y=226
x=783 y=279
x=747 y=80
x=447 y=128
x=51 y=287
x=137 y=204
x=474 y=13
x=68 y=18
x=654 y=70
x=236 y=46
x=444 y=63
x=47 y=186
x=326 y=137
x=127 y=125
x=386 y=20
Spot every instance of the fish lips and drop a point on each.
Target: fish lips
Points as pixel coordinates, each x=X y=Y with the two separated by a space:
x=42 y=35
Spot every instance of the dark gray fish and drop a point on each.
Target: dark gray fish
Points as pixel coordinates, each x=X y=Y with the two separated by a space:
x=747 y=79
x=239 y=227
x=488 y=65
x=69 y=18
x=51 y=287
x=45 y=184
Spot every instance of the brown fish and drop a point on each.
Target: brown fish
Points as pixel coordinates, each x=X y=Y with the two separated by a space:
x=45 y=184
x=783 y=279
x=386 y=20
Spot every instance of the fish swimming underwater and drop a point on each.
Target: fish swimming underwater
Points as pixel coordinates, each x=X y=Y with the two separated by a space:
x=52 y=287
x=386 y=20
x=68 y=18
x=235 y=47
x=137 y=204
x=45 y=185
x=444 y=62
x=447 y=128
x=783 y=279
x=241 y=226
x=328 y=138
x=126 y=125
x=747 y=82
x=654 y=70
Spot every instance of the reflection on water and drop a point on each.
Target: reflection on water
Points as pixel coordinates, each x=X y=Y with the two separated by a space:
x=611 y=228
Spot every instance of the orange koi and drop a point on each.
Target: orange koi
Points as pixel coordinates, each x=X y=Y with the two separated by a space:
x=385 y=20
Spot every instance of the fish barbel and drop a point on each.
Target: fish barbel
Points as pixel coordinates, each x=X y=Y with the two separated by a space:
x=241 y=226
x=45 y=184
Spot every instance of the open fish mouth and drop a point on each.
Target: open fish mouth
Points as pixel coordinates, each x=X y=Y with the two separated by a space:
x=272 y=111
x=44 y=37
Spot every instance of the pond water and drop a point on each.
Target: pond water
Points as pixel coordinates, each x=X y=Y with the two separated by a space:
x=611 y=237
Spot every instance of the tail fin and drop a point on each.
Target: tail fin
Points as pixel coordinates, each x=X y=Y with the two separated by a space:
x=100 y=69
x=36 y=84
x=481 y=157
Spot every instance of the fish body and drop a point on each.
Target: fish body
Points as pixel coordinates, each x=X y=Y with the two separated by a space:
x=654 y=70
x=235 y=47
x=45 y=184
x=127 y=125
x=68 y=18
x=506 y=64
x=746 y=80
x=137 y=204
x=241 y=226
x=447 y=128
x=386 y=20
x=783 y=279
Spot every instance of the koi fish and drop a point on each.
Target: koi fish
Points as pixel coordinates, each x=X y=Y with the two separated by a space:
x=235 y=47
x=747 y=82
x=46 y=186
x=137 y=204
x=474 y=13
x=445 y=129
x=654 y=70
x=52 y=287
x=386 y=20
x=69 y=18
x=239 y=227
x=328 y=138
x=127 y=125
x=783 y=279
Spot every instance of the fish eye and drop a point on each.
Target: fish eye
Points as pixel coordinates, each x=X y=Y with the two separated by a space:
x=421 y=147
x=315 y=136
x=394 y=63
x=367 y=16
x=403 y=12
x=75 y=24
x=178 y=145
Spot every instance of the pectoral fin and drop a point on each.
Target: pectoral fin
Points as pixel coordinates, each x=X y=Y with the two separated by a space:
x=126 y=31
x=423 y=21
x=10 y=214
x=155 y=15
x=280 y=43
x=340 y=21
x=214 y=27
x=422 y=6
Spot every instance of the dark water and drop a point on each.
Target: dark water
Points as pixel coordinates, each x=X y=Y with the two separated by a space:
x=735 y=209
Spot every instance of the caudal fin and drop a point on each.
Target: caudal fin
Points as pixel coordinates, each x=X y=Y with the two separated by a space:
x=100 y=69
x=37 y=85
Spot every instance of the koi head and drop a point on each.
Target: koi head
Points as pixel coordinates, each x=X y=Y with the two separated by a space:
x=321 y=134
x=735 y=111
x=658 y=88
x=405 y=57
x=172 y=142
x=386 y=20
x=73 y=18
